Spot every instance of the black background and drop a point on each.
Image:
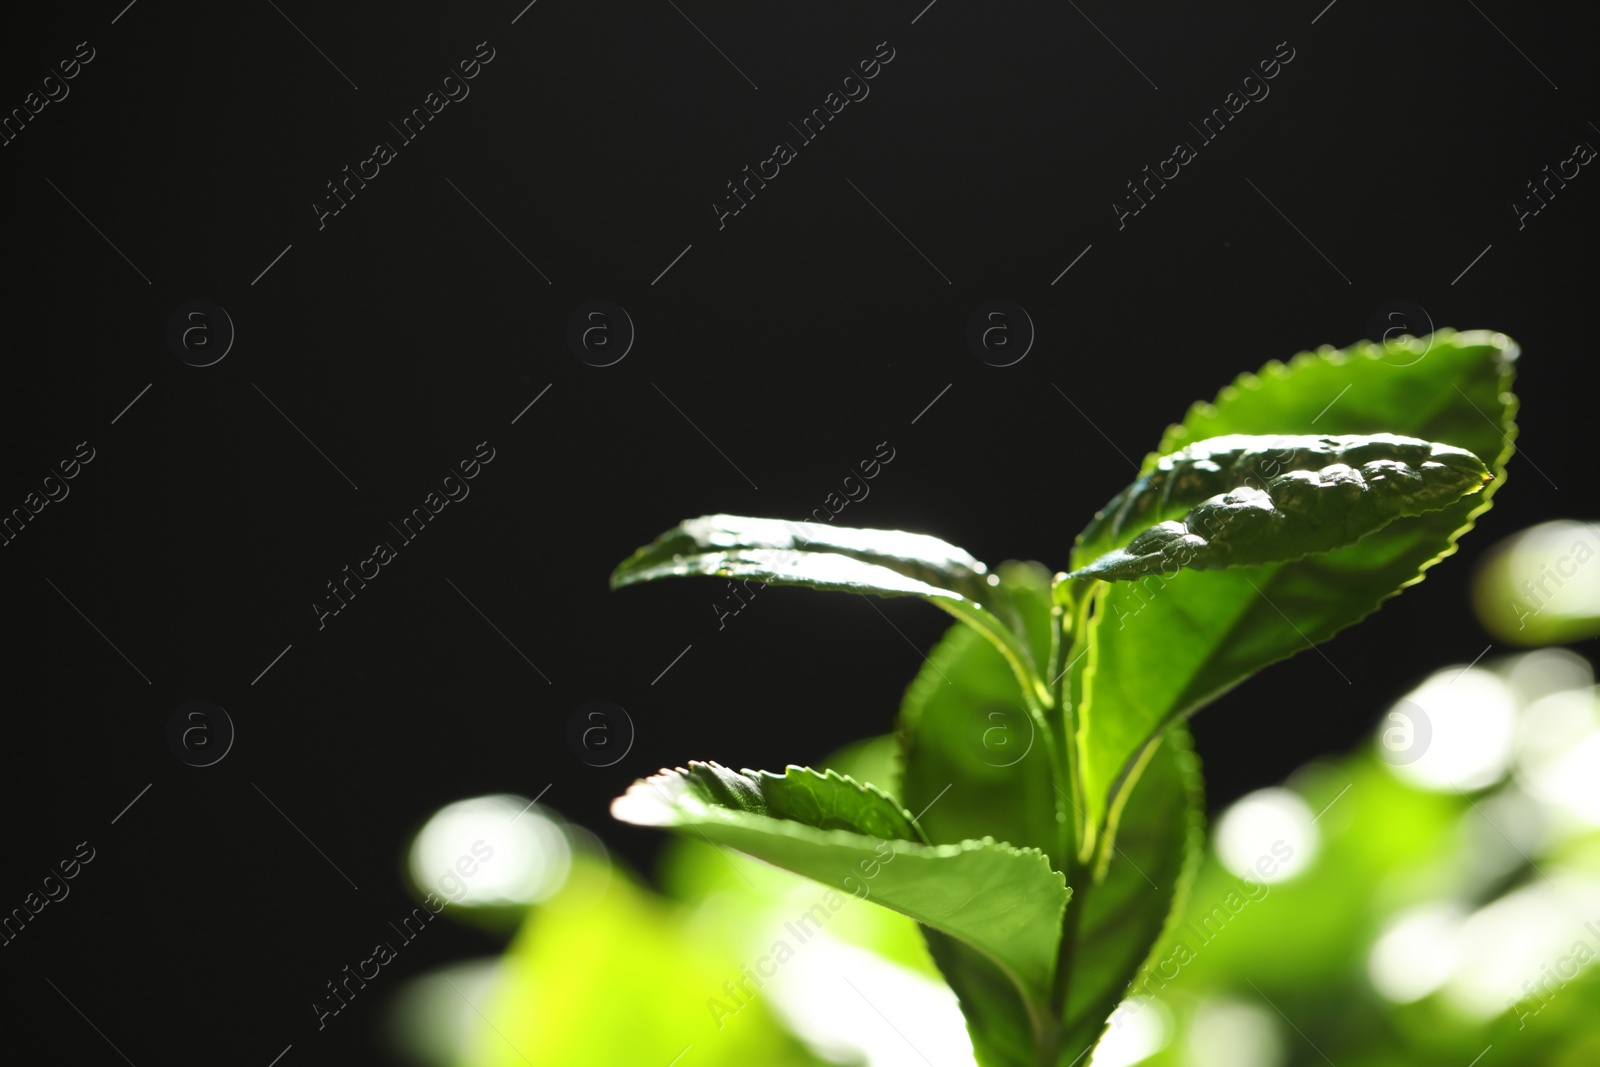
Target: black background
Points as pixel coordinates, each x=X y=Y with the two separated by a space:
x=796 y=338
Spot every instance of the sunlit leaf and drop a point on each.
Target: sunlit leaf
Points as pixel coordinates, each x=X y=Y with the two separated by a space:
x=1003 y=901
x=838 y=559
x=1162 y=647
x=809 y=553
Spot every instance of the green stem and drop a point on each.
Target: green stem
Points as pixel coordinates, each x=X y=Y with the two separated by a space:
x=1071 y=613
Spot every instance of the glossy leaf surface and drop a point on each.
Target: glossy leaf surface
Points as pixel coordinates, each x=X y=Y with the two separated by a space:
x=1162 y=647
x=839 y=559
x=809 y=553
x=1267 y=499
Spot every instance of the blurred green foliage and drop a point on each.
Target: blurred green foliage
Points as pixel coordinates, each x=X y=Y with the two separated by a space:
x=1541 y=586
x=1422 y=924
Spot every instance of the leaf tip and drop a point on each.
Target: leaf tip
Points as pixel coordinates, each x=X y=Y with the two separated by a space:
x=646 y=803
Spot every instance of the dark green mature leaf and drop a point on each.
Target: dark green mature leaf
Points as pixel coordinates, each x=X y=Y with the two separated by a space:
x=1273 y=498
x=1147 y=880
x=1005 y=902
x=1162 y=647
x=826 y=800
x=840 y=559
x=974 y=761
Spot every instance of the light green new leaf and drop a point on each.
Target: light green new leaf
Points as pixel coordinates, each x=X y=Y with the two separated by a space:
x=1163 y=646
x=1268 y=499
x=971 y=759
x=1123 y=917
x=966 y=737
x=1005 y=1032
x=1005 y=902
x=1145 y=886
x=976 y=763
x=841 y=559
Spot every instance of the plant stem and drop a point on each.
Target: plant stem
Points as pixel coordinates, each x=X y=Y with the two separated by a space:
x=1071 y=615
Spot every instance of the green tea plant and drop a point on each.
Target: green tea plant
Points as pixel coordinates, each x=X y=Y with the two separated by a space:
x=1042 y=745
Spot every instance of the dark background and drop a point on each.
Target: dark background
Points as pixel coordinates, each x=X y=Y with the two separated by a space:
x=797 y=338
